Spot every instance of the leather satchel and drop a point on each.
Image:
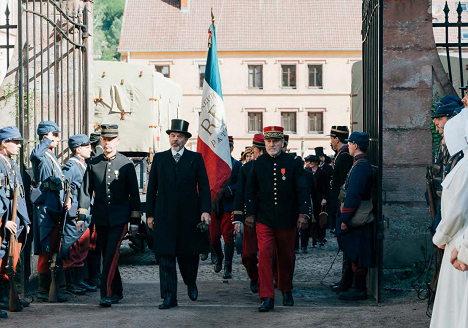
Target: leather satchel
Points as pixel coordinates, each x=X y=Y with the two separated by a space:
x=323 y=218
x=364 y=214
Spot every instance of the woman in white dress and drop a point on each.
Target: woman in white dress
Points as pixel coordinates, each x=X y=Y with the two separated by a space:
x=450 y=306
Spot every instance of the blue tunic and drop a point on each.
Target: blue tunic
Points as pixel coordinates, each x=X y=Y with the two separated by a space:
x=48 y=206
x=10 y=169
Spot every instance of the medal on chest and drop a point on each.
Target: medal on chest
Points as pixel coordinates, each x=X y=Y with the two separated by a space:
x=283 y=172
x=116 y=172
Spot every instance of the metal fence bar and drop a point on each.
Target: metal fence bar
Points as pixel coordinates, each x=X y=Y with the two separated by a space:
x=460 y=62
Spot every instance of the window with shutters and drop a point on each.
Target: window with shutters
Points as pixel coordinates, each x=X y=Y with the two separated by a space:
x=288 y=121
x=316 y=122
x=255 y=122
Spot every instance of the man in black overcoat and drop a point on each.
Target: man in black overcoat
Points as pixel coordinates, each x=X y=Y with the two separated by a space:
x=178 y=200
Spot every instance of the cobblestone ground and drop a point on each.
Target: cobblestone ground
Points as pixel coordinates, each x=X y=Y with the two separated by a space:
x=227 y=304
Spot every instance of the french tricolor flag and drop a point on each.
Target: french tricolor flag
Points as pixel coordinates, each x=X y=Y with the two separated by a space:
x=213 y=141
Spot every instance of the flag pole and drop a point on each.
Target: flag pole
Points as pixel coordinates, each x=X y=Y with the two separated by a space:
x=212 y=17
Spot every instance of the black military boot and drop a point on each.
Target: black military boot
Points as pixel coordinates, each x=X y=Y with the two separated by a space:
x=80 y=283
x=3 y=314
x=44 y=286
x=359 y=292
x=346 y=281
x=288 y=299
x=71 y=287
x=267 y=304
x=214 y=258
x=4 y=295
x=229 y=252
x=219 y=257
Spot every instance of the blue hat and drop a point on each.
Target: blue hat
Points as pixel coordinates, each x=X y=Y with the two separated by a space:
x=10 y=133
x=359 y=138
x=448 y=110
x=447 y=99
x=47 y=126
x=78 y=140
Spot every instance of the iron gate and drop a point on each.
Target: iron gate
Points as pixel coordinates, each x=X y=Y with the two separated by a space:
x=372 y=54
x=48 y=75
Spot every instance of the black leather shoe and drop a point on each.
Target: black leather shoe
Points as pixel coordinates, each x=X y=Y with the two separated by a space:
x=204 y=256
x=24 y=303
x=3 y=314
x=218 y=267
x=105 y=302
x=288 y=299
x=168 y=303
x=192 y=292
x=116 y=298
x=335 y=284
x=353 y=295
x=267 y=305
x=254 y=287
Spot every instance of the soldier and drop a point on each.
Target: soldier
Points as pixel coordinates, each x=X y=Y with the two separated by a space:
x=10 y=179
x=47 y=197
x=278 y=203
x=356 y=241
x=112 y=179
x=178 y=209
x=249 y=241
x=75 y=243
x=221 y=220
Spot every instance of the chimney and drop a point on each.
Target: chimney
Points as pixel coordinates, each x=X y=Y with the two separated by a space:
x=184 y=5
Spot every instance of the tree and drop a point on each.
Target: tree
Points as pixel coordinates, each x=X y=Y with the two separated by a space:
x=107 y=26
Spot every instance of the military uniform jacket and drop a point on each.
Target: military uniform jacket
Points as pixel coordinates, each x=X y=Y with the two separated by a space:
x=277 y=190
x=178 y=193
x=356 y=242
x=240 y=208
x=229 y=191
x=343 y=163
x=114 y=184
x=10 y=176
x=73 y=171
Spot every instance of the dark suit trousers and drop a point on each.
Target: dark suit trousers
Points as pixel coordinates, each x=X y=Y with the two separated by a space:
x=109 y=241
x=188 y=266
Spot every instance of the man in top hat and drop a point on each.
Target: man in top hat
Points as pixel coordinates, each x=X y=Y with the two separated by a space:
x=75 y=242
x=178 y=210
x=112 y=179
x=356 y=241
x=48 y=202
x=221 y=220
x=278 y=203
x=343 y=163
x=10 y=180
x=249 y=241
x=323 y=162
x=284 y=148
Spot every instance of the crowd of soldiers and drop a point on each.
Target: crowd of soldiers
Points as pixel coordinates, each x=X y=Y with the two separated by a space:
x=83 y=210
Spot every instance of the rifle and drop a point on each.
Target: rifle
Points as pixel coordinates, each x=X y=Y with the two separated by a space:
x=54 y=262
x=431 y=192
x=15 y=304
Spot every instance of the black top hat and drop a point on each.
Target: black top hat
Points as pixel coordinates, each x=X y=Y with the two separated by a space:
x=180 y=126
x=319 y=151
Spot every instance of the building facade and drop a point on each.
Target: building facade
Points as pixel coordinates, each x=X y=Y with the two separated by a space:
x=271 y=74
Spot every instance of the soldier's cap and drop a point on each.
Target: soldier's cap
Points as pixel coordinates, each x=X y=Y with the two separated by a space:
x=10 y=133
x=109 y=130
x=447 y=99
x=448 y=110
x=312 y=158
x=94 y=137
x=47 y=126
x=78 y=140
x=231 y=140
x=273 y=132
x=339 y=131
x=258 y=141
x=359 y=138
x=179 y=126
x=319 y=151
x=286 y=138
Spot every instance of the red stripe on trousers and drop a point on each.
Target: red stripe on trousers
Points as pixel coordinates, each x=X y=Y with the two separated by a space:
x=114 y=263
x=249 y=253
x=221 y=226
x=284 y=239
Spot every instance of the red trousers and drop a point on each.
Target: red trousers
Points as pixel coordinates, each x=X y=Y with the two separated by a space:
x=249 y=253
x=78 y=252
x=43 y=261
x=284 y=239
x=221 y=226
x=4 y=260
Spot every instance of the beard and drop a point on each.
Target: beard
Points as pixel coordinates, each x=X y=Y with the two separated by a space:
x=176 y=147
x=274 y=152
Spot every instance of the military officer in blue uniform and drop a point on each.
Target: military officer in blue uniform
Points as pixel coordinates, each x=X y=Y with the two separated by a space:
x=47 y=197
x=112 y=179
x=356 y=241
x=10 y=179
x=75 y=242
